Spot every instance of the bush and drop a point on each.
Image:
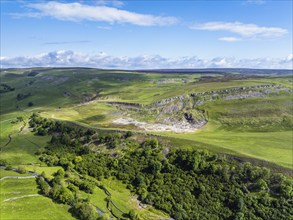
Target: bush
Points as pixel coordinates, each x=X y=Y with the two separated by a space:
x=85 y=211
x=21 y=170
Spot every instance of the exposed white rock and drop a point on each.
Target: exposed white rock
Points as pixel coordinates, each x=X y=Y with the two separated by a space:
x=182 y=127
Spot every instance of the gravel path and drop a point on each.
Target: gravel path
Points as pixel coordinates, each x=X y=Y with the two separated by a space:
x=20 y=197
x=17 y=177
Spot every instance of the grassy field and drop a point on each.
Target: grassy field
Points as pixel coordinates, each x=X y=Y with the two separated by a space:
x=258 y=128
x=122 y=198
x=74 y=88
x=275 y=147
x=235 y=120
x=4 y=173
x=35 y=207
x=126 y=201
x=22 y=149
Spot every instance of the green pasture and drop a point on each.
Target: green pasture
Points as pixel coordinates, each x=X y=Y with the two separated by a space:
x=4 y=173
x=34 y=208
x=235 y=120
x=37 y=207
x=237 y=127
x=259 y=128
x=22 y=149
x=122 y=198
x=275 y=147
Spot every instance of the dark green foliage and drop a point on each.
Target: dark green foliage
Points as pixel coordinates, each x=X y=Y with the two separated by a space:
x=62 y=194
x=21 y=170
x=185 y=184
x=32 y=73
x=55 y=188
x=128 y=134
x=41 y=131
x=3 y=162
x=5 y=88
x=8 y=167
x=21 y=96
x=85 y=211
x=84 y=185
x=44 y=186
x=132 y=215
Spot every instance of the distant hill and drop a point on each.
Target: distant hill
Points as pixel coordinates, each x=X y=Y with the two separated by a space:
x=223 y=70
x=185 y=71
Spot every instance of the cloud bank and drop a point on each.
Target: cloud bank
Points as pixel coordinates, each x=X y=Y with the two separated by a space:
x=246 y=31
x=68 y=58
x=79 y=12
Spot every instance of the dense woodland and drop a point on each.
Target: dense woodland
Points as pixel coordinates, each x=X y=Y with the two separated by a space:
x=185 y=184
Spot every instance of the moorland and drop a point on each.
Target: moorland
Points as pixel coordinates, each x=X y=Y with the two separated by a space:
x=149 y=144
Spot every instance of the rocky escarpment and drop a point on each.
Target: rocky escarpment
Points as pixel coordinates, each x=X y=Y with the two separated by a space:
x=226 y=94
x=182 y=111
x=127 y=105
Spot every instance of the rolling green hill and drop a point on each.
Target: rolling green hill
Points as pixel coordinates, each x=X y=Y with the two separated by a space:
x=96 y=98
x=249 y=116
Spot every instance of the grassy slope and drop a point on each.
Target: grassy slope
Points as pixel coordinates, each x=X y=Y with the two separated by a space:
x=143 y=88
x=34 y=208
x=123 y=198
x=4 y=173
x=129 y=87
x=27 y=208
x=22 y=148
x=275 y=147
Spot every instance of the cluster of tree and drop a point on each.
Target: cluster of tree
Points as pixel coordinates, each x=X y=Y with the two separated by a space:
x=44 y=186
x=55 y=189
x=185 y=184
x=17 y=120
x=33 y=73
x=67 y=194
x=5 y=88
x=85 y=211
x=83 y=185
x=71 y=135
x=21 y=96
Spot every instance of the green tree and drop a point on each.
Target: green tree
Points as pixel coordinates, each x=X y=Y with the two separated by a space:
x=132 y=215
x=262 y=185
x=85 y=211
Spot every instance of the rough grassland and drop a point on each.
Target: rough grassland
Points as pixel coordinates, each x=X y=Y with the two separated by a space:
x=38 y=207
x=4 y=173
x=22 y=149
x=34 y=208
x=275 y=147
x=73 y=88
x=65 y=94
x=123 y=198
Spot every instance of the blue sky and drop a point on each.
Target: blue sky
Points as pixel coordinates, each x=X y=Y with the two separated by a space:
x=147 y=34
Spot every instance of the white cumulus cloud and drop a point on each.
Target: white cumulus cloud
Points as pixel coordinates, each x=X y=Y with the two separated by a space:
x=79 y=12
x=68 y=58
